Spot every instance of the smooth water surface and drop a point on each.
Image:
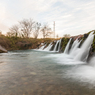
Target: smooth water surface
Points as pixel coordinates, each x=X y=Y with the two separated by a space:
x=33 y=72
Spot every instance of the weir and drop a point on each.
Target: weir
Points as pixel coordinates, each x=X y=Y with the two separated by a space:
x=56 y=46
x=48 y=48
x=66 y=51
x=79 y=54
x=42 y=47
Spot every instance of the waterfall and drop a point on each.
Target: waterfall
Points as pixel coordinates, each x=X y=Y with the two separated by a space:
x=67 y=47
x=75 y=43
x=48 y=47
x=56 y=46
x=59 y=45
x=82 y=54
x=74 y=49
x=42 y=47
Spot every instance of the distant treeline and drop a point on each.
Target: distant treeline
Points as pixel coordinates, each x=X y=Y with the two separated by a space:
x=27 y=27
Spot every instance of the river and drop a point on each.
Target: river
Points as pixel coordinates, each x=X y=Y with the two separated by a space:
x=32 y=72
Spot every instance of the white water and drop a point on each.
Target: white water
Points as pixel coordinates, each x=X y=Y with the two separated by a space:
x=82 y=54
x=59 y=45
x=78 y=54
x=79 y=71
x=92 y=62
x=42 y=47
x=74 y=48
x=75 y=61
x=56 y=45
x=48 y=47
x=66 y=51
x=74 y=44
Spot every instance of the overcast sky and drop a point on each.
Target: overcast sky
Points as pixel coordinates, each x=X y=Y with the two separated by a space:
x=71 y=16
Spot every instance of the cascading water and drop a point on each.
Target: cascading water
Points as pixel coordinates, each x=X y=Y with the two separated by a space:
x=56 y=45
x=42 y=47
x=48 y=47
x=66 y=51
x=74 y=47
x=83 y=72
x=74 y=43
x=77 y=53
x=82 y=54
x=59 y=45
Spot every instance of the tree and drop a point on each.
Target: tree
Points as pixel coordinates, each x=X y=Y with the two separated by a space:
x=9 y=34
x=66 y=35
x=14 y=31
x=46 y=31
x=36 y=29
x=57 y=36
x=26 y=27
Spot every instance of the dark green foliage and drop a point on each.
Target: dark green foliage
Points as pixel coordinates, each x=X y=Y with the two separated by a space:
x=64 y=43
x=93 y=45
x=18 y=43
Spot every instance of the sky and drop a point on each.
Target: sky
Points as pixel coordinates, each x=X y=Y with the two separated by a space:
x=72 y=17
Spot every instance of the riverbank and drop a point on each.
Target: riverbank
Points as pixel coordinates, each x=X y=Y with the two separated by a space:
x=16 y=43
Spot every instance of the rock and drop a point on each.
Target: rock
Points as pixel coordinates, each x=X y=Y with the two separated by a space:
x=85 y=35
x=3 y=50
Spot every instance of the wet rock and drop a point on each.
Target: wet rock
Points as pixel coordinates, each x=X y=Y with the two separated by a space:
x=85 y=35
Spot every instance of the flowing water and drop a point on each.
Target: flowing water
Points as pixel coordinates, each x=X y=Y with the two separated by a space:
x=34 y=72
x=56 y=45
x=67 y=47
x=39 y=72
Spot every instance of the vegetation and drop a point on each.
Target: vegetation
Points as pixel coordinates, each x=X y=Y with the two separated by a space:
x=24 y=35
x=18 y=36
x=93 y=45
x=64 y=43
x=18 y=43
x=46 y=31
x=66 y=35
x=27 y=27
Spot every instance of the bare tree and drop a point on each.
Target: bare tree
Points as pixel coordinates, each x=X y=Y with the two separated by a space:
x=57 y=36
x=36 y=29
x=9 y=34
x=26 y=27
x=46 y=31
x=13 y=31
x=66 y=35
x=0 y=33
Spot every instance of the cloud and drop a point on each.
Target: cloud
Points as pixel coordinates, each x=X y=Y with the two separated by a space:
x=71 y=16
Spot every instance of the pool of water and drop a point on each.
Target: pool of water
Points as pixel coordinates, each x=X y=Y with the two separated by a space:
x=32 y=72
